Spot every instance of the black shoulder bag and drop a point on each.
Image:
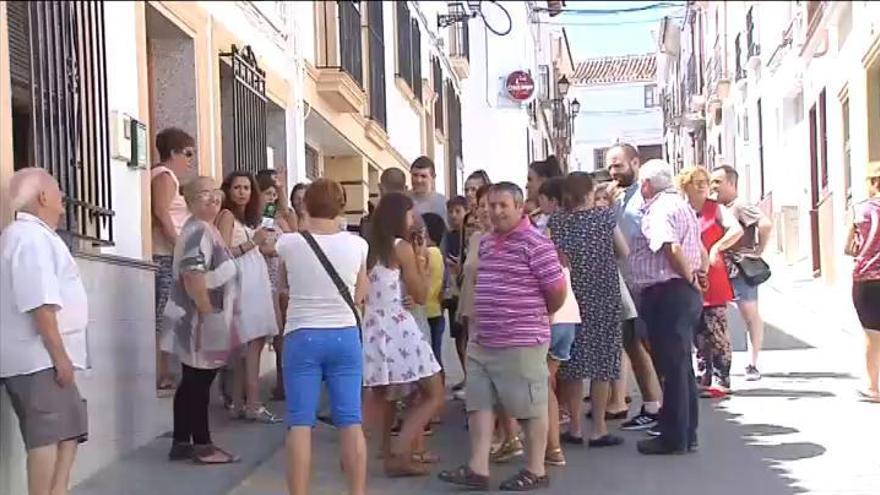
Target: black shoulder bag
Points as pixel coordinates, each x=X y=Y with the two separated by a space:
x=334 y=275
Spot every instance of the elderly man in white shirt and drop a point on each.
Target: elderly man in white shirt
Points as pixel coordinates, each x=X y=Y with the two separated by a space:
x=43 y=318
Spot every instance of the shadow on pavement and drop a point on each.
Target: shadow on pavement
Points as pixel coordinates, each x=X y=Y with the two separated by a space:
x=783 y=393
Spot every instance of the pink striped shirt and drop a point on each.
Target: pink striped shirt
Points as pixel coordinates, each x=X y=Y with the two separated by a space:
x=516 y=270
x=867 y=222
x=667 y=218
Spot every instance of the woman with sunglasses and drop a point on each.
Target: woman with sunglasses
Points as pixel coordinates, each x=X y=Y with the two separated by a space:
x=201 y=320
x=176 y=153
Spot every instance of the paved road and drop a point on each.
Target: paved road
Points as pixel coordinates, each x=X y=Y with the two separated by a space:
x=774 y=437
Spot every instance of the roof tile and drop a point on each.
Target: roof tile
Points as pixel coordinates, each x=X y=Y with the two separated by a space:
x=617 y=69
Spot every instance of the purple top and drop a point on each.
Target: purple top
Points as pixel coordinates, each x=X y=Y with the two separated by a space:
x=867 y=223
x=667 y=218
x=516 y=270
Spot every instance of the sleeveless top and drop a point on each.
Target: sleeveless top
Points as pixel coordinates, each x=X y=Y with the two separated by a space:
x=711 y=231
x=176 y=209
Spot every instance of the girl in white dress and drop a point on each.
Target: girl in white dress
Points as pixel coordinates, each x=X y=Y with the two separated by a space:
x=396 y=352
x=239 y=224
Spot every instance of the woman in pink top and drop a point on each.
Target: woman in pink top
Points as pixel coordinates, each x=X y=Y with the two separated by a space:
x=863 y=242
x=176 y=152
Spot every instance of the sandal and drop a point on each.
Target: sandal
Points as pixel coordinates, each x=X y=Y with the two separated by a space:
x=399 y=466
x=869 y=396
x=425 y=458
x=261 y=415
x=554 y=457
x=605 y=441
x=465 y=477
x=180 y=451
x=571 y=439
x=212 y=455
x=525 y=481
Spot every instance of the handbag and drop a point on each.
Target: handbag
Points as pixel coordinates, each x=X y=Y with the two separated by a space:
x=334 y=275
x=753 y=269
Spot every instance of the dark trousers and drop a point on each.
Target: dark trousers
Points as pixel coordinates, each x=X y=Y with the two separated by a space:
x=191 y=406
x=672 y=311
x=438 y=326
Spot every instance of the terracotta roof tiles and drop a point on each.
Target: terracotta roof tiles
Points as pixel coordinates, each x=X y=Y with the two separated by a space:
x=618 y=69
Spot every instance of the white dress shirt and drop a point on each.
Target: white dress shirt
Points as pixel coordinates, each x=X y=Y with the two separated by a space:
x=37 y=269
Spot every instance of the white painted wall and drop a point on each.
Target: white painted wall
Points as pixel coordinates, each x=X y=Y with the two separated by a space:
x=610 y=112
x=493 y=129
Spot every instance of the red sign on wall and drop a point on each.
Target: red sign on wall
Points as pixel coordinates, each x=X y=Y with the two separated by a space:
x=520 y=85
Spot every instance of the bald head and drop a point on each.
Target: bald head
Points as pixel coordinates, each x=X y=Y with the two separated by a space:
x=392 y=180
x=33 y=190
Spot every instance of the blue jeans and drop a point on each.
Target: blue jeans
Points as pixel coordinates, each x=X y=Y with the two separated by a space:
x=315 y=355
x=561 y=340
x=438 y=326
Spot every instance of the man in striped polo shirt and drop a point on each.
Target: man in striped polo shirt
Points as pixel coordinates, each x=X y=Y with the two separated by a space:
x=519 y=284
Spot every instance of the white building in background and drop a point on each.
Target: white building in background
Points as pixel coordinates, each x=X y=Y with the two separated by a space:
x=789 y=95
x=618 y=102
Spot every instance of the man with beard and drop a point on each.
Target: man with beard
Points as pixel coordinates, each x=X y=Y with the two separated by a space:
x=623 y=163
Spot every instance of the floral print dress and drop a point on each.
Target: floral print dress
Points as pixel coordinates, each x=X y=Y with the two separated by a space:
x=395 y=348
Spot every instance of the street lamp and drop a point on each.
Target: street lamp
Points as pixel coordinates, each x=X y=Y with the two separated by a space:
x=562 y=85
x=575 y=107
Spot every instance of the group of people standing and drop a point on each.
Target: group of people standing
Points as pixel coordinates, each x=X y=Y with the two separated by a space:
x=578 y=279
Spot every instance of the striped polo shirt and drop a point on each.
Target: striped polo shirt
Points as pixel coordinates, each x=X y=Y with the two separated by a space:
x=516 y=270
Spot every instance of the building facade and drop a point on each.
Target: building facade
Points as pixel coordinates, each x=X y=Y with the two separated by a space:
x=618 y=102
x=787 y=93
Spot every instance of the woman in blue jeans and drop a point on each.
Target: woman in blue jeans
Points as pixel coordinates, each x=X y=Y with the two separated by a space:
x=322 y=341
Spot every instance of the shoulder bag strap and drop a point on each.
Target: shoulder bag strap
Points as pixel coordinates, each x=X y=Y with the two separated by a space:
x=334 y=275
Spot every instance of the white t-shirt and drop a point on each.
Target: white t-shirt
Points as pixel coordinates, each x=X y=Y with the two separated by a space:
x=314 y=300
x=37 y=269
x=570 y=311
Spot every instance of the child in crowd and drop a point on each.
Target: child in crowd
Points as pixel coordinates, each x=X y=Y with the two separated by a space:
x=436 y=230
x=454 y=252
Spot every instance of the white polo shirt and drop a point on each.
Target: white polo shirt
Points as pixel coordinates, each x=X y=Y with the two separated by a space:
x=37 y=269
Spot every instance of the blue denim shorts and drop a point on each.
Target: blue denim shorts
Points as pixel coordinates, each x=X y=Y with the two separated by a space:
x=330 y=355
x=561 y=340
x=742 y=291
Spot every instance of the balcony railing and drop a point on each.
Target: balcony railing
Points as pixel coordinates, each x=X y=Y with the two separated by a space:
x=754 y=49
x=460 y=46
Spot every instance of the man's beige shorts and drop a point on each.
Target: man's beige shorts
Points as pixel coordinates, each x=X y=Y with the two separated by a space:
x=513 y=378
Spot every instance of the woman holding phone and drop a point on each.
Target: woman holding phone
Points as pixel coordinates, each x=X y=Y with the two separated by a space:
x=396 y=351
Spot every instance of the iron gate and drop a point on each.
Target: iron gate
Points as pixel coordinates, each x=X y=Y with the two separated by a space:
x=248 y=111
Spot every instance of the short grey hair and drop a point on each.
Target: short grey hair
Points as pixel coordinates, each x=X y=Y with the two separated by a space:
x=658 y=173
x=509 y=188
x=25 y=185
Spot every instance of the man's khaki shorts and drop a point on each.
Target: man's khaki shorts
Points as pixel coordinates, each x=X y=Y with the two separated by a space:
x=47 y=414
x=513 y=378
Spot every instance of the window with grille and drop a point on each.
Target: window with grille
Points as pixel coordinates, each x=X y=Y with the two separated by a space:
x=437 y=81
x=312 y=169
x=58 y=73
x=453 y=133
x=409 y=50
x=751 y=39
x=651 y=96
x=351 y=58
x=461 y=45
x=376 y=42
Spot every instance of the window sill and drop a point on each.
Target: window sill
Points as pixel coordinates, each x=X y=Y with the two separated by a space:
x=340 y=90
x=407 y=93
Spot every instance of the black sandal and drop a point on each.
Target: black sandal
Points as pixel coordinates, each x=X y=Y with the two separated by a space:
x=571 y=439
x=605 y=441
x=525 y=481
x=180 y=451
x=466 y=477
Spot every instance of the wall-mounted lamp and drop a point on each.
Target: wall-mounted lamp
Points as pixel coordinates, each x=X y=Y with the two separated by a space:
x=575 y=107
x=457 y=13
x=562 y=85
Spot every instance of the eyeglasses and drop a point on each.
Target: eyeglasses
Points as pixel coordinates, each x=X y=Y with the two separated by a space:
x=215 y=195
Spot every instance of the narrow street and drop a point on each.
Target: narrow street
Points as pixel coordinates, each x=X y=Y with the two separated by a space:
x=798 y=430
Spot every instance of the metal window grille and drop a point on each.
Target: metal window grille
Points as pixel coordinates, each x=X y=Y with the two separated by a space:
x=248 y=110
x=753 y=46
x=461 y=44
x=376 y=41
x=650 y=95
x=416 y=60
x=437 y=81
x=312 y=169
x=454 y=134
x=65 y=70
x=740 y=73
x=404 y=43
x=350 y=40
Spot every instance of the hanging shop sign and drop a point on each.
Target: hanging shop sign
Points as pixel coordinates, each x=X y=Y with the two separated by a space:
x=519 y=85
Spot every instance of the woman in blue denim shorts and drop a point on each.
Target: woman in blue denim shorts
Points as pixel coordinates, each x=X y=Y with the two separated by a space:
x=322 y=341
